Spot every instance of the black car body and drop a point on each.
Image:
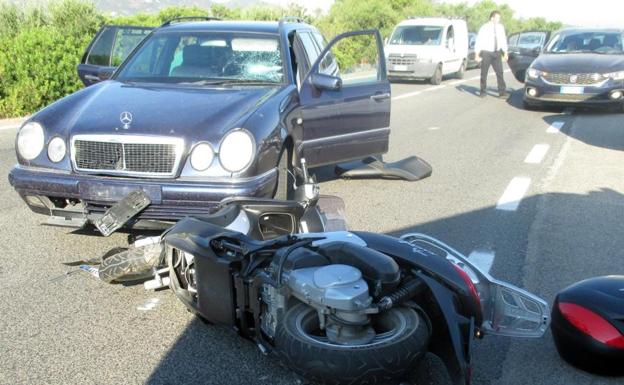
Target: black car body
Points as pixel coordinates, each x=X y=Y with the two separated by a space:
x=576 y=67
x=253 y=97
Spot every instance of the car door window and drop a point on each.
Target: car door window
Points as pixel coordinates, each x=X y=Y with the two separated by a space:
x=355 y=59
x=125 y=41
x=513 y=40
x=100 y=52
x=310 y=46
x=531 y=40
x=450 y=38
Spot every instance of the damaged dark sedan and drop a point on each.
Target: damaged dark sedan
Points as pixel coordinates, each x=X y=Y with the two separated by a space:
x=201 y=111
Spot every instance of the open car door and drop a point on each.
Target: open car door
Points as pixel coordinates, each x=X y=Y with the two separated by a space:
x=108 y=49
x=345 y=101
x=523 y=49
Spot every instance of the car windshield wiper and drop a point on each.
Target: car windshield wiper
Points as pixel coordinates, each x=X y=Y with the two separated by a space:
x=228 y=81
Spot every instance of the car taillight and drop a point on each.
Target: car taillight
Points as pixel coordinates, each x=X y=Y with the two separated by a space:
x=592 y=324
x=471 y=287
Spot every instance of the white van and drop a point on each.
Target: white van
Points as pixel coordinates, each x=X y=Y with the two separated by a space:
x=427 y=48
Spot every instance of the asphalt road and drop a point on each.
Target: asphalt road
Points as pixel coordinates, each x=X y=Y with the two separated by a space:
x=542 y=221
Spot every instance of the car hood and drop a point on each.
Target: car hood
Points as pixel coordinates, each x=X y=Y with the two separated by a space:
x=198 y=113
x=579 y=63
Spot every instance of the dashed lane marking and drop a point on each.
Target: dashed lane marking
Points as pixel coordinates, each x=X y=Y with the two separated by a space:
x=555 y=127
x=408 y=95
x=433 y=128
x=511 y=198
x=537 y=154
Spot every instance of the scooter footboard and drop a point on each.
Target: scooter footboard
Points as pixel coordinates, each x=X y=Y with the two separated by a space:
x=507 y=310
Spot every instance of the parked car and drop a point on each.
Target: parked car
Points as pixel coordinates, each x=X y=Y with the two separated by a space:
x=578 y=66
x=198 y=112
x=427 y=48
x=472 y=41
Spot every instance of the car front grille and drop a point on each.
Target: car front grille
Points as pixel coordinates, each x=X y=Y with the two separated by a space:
x=573 y=79
x=127 y=155
x=402 y=60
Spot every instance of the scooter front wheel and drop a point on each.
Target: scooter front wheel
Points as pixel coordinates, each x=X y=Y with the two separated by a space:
x=402 y=336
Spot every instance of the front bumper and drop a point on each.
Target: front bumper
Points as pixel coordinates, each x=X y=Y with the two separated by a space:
x=72 y=199
x=418 y=70
x=592 y=95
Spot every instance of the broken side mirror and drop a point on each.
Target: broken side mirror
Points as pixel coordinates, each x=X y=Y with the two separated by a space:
x=326 y=82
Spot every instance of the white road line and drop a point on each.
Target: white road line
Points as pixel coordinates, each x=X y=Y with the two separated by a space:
x=408 y=95
x=434 y=88
x=483 y=258
x=513 y=194
x=555 y=127
x=475 y=78
x=12 y=127
x=537 y=154
x=433 y=128
x=456 y=82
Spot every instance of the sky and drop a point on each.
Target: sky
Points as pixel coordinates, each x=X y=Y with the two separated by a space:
x=601 y=13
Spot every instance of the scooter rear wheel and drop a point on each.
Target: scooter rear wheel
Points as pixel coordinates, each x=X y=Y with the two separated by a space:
x=402 y=339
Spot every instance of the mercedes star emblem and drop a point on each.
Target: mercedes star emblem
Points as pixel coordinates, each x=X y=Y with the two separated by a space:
x=126 y=119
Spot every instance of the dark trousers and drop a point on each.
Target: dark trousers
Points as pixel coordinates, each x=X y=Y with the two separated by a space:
x=495 y=60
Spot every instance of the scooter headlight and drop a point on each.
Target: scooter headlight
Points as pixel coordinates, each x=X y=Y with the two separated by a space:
x=30 y=140
x=237 y=150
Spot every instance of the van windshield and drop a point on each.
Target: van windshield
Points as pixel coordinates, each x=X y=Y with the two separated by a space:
x=417 y=35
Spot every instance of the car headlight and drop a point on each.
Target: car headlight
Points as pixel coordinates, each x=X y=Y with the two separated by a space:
x=615 y=75
x=202 y=156
x=56 y=149
x=532 y=73
x=236 y=151
x=30 y=140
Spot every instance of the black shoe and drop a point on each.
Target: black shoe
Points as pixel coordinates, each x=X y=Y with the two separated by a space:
x=482 y=94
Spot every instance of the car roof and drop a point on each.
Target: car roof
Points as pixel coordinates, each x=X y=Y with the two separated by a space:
x=588 y=29
x=243 y=26
x=435 y=21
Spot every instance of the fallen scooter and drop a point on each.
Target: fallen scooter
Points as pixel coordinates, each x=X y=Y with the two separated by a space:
x=339 y=307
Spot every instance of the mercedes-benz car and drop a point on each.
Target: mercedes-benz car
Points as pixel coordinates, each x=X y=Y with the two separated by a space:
x=578 y=66
x=200 y=111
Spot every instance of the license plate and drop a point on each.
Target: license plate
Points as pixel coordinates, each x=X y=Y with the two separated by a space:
x=114 y=193
x=573 y=90
x=400 y=67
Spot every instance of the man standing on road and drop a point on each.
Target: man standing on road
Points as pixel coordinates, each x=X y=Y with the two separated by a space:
x=490 y=50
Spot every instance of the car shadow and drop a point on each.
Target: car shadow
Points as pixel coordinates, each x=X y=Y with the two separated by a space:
x=566 y=252
x=595 y=127
x=475 y=91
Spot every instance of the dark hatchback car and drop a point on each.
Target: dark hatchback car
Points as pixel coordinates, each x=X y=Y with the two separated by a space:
x=201 y=111
x=577 y=67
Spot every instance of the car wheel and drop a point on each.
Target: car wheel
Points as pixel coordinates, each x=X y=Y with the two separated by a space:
x=284 y=189
x=436 y=79
x=462 y=71
x=401 y=341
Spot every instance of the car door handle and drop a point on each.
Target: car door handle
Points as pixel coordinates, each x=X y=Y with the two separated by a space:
x=92 y=78
x=380 y=97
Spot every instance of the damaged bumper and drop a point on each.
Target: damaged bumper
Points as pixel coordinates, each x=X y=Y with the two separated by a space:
x=73 y=200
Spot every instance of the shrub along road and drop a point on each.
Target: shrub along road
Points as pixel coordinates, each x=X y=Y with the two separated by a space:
x=536 y=195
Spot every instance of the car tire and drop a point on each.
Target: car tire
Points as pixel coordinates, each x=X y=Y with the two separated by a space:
x=430 y=371
x=284 y=189
x=386 y=360
x=462 y=71
x=436 y=79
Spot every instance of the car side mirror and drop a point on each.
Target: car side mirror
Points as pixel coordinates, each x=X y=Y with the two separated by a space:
x=326 y=82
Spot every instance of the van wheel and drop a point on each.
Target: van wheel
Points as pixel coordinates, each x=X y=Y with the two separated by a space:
x=436 y=79
x=462 y=71
x=284 y=189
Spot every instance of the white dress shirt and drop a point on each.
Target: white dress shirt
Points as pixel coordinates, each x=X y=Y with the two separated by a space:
x=491 y=37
